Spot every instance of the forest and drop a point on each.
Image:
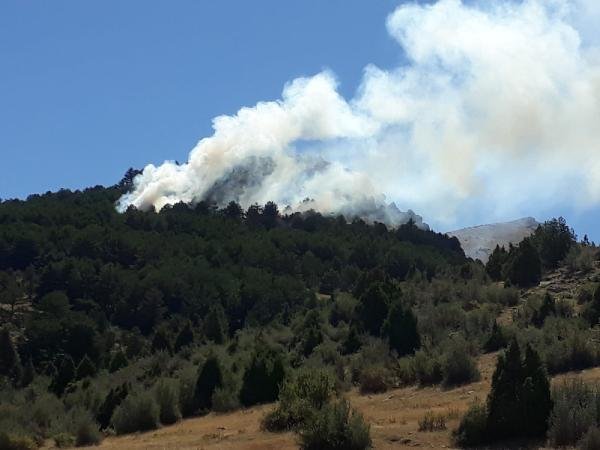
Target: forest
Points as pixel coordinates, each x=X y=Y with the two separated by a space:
x=123 y=322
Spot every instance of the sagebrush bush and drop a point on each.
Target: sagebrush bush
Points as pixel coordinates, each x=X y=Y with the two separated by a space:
x=472 y=429
x=336 y=427
x=459 y=367
x=86 y=431
x=576 y=409
x=374 y=380
x=300 y=397
x=138 y=412
x=166 y=393
x=590 y=440
x=13 y=442
x=432 y=422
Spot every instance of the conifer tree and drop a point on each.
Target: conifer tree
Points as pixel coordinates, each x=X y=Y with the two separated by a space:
x=373 y=308
x=536 y=400
x=64 y=375
x=496 y=340
x=215 y=325
x=401 y=330
x=210 y=377
x=118 y=361
x=9 y=358
x=352 y=343
x=185 y=337
x=161 y=341
x=495 y=262
x=85 y=368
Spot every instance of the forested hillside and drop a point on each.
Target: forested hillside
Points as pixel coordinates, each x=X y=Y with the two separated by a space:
x=127 y=321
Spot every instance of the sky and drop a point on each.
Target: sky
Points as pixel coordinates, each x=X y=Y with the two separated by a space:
x=88 y=89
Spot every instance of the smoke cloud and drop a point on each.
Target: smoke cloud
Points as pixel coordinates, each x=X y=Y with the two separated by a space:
x=496 y=109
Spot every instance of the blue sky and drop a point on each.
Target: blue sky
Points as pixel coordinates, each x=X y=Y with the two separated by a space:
x=88 y=89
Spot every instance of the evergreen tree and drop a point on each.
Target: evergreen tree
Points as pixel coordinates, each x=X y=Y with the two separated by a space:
x=504 y=409
x=185 y=337
x=86 y=368
x=536 y=401
x=64 y=375
x=263 y=378
x=215 y=325
x=113 y=399
x=9 y=358
x=161 y=341
x=373 y=308
x=547 y=308
x=495 y=263
x=592 y=311
x=118 y=361
x=28 y=373
x=553 y=240
x=401 y=330
x=523 y=267
x=352 y=343
x=210 y=377
x=496 y=339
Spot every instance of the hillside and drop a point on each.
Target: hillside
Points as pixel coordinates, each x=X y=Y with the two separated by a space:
x=478 y=242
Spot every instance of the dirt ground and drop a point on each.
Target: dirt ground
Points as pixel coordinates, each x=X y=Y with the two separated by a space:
x=393 y=416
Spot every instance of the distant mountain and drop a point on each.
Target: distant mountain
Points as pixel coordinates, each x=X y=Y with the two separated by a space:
x=479 y=242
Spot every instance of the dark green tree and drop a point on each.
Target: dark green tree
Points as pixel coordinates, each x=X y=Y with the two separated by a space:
x=185 y=337
x=28 y=373
x=553 y=240
x=592 y=310
x=85 y=368
x=352 y=343
x=215 y=325
x=523 y=267
x=496 y=340
x=118 y=361
x=162 y=341
x=547 y=308
x=9 y=358
x=263 y=377
x=374 y=308
x=210 y=377
x=64 y=375
x=495 y=263
x=400 y=328
x=536 y=401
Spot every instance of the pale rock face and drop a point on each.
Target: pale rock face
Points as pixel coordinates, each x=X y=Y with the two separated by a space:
x=479 y=242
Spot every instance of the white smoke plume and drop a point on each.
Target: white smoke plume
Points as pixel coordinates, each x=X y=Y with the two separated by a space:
x=496 y=109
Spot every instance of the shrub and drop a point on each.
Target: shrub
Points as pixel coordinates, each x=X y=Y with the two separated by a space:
x=167 y=397
x=187 y=386
x=225 y=399
x=299 y=398
x=112 y=400
x=458 y=366
x=63 y=440
x=86 y=431
x=138 y=412
x=336 y=427
x=576 y=406
x=12 y=442
x=432 y=422
x=427 y=368
x=374 y=380
x=590 y=440
x=472 y=429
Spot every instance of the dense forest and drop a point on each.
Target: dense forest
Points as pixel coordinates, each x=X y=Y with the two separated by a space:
x=122 y=322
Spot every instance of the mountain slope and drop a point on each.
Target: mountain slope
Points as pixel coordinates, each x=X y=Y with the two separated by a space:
x=479 y=242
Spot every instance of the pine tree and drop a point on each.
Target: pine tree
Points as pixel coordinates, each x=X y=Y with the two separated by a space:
x=118 y=361
x=161 y=341
x=373 y=308
x=263 y=378
x=215 y=326
x=547 y=308
x=185 y=337
x=401 y=330
x=352 y=343
x=86 y=368
x=504 y=409
x=9 y=358
x=523 y=267
x=496 y=340
x=64 y=376
x=28 y=373
x=495 y=262
x=536 y=400
x=210 y=377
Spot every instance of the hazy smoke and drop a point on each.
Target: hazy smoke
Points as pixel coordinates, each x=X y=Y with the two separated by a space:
x=496 y=109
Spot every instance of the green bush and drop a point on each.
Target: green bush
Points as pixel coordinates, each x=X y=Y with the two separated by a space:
x=458 y=366
x=472 y=429
x=374 y=380
x=86 y=431
x=166 y=394
x=210 y=377
x=336 y=427
x=138 y=412
x=63 y=440
x=576 y=409
x=427 y=368
x=590 y=440
x=299 y=399
x=12 y=442
x=263 y=378
x=225 y=399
